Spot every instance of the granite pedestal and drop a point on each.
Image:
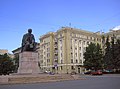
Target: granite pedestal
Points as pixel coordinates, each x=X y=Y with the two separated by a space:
x=28 y=63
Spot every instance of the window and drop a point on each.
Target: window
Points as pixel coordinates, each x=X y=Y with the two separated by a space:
x=48 y=49
x=80 y=61
x=80 y=48
x=60 y=41
x=87 y=37
x=60 y=34
x=61 y=61
x=80 y=41
x=71 y=55
x=83 y=42
x=74 y=35
x=76 y=61
x=90 y=38
x=61 y=48
x=44 y=53
x=48 y=60
x=61 y=54
x=87 y=43
x=97 y=39
x=75 y=48
x=41 y=61
x=44 y=57
x=76 y=54
x=72 y=67
x=80 y=54
x=48 y=54
x=48 y=43
x=71 y=60
x=75 y=40
x=61 y=68
x=41 y=40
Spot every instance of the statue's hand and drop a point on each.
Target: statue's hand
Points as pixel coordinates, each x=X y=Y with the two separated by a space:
x=27 y=43
x=31 y=45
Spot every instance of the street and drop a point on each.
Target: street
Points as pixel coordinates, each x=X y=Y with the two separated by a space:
x=90 y=82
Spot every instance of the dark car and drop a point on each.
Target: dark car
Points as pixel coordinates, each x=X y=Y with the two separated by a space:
x=97 y=72
x=73 y=73
x=108 y=72
x=88 y=72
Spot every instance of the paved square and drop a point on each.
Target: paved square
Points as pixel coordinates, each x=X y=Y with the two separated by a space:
x=91 y=82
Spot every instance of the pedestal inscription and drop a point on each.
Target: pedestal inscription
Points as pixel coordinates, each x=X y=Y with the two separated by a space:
x=28 y=63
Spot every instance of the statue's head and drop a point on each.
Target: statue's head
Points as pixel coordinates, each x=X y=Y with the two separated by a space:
x=29 y=30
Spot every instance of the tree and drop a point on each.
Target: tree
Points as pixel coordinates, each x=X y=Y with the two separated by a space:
x=116 y=57
x=93 y=57
x=112 y=54
x=6 y=65
x=107 y=57
x=16 y=62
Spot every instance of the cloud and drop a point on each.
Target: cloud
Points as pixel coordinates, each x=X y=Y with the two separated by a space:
x=116 y=28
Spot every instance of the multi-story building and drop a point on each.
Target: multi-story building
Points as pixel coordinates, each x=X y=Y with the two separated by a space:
x=62 y=51
x=46 y=51
x=3 y=51
x=112 y=33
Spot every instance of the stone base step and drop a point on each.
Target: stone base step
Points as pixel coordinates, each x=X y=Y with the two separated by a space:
x=14 y=79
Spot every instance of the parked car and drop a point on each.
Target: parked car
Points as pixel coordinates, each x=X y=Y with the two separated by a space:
x=47 y=72
x=73 y=73
x=51 y=73
x=108 y=72
x=88 y=72
x=97 y=72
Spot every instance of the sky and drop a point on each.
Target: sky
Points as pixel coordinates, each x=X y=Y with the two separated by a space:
x=43 y=16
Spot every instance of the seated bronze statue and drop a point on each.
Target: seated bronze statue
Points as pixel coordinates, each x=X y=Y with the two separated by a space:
x=28 y=42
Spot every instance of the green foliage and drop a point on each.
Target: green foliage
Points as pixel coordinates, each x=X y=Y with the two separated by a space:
x=16 y=61
x=112 y=54
x=116 y=54
x=6 y=65
x=93 y=57
x=107 y=57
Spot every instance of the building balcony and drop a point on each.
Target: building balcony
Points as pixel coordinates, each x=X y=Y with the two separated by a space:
x=55 y=46
x=56 y=58
x=56 y=43
x=56 y=52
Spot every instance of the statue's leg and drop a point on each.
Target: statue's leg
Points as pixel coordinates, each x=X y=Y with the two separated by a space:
x=25 y=48
x=22 y=49
x=34 y=48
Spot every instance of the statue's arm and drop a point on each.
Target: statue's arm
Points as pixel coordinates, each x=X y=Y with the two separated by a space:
x=23 y=40
x=33 y=38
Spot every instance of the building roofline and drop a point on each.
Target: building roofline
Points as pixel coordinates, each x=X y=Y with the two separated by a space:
x=78 y=30
x=16 y=49
x=46 y=35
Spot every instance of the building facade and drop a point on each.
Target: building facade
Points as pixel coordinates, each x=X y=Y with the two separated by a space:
x=46 y=52
x=62 y=51
x=3 y=51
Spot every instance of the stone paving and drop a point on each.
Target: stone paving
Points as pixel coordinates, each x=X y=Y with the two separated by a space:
x=35 y=78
